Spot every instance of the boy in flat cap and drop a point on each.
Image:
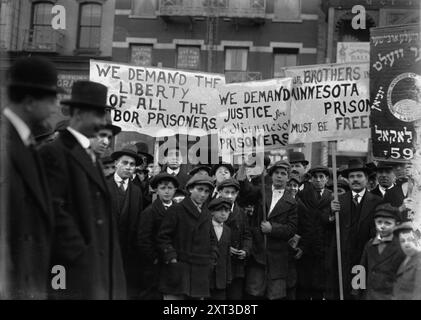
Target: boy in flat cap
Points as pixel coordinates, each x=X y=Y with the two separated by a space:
x=220 y=172
x=27 y=219
x=127 y=204
x=165 y=186
x=268 y=268
x=382 y=255
x=408 y=279
x=241 y=238
x=200 y=169
x=316 y=231
x=187 y=244
x=220 y=209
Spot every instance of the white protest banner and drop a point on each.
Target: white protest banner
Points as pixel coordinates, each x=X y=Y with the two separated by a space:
x=329 y=102
x=159 y=102
x=254 y=115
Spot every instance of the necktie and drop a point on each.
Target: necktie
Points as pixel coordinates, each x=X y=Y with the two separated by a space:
x=91 y=154
x=355 y=199
x=122 y=186
x=319 y=195
x=173 y=173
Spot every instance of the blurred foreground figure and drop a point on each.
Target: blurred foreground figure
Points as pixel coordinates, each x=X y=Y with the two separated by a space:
x=26 y=212
x=86 y=240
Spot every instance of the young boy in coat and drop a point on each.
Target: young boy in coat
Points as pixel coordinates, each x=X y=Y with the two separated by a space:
x=241 y=238
x=408 y=279
x=186 y=241
x=165 y=186
x=220 y=209
x=268 y=269
x=382 y=255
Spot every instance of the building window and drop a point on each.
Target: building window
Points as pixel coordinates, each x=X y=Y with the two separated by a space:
x=282 y=60
x=188 y=58
x=90 y=26
x=144 y=8
x=41 y=31
x=141 y=55
x=236 y=59
x=287 y=10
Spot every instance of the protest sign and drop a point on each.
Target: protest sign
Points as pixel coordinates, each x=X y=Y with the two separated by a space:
x=254 y=115
x=159 y=102
x=329 y=102
x=395 y=90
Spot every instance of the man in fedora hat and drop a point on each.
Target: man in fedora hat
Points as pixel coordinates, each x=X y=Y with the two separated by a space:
x=386 y=178
x=316 y=233
x=26 y=215
x=86 y=240
x=403 y=188
x=102 y=141
x=143 y=184
x=109 y=166
x=356 y=211
x=298 y=165
x=127 y=205
x=268 y=271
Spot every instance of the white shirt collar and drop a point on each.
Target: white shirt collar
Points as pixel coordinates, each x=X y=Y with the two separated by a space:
x=171 y=171
x=277 y=190
x=361 y=194
x=82 y=139
x=167 y=204
x=383 y=190
x=217 y=224
x=21 y=127
x=118 y=179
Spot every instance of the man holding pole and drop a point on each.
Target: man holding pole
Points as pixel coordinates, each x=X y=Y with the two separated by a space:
x=275 y=223
x=356 y=216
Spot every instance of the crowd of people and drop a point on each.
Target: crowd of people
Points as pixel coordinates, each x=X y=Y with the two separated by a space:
x=124 y=228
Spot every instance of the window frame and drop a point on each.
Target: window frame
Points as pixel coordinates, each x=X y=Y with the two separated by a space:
x=285 y=51
x=247 y=50
x=188 y=46
x=141 y=45
x=79 y=26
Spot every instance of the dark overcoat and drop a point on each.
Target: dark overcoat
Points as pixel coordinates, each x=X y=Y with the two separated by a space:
x=353 y=241
x=316 y=235
x=408 y=280
x=86 y=240
x=284 y=220
x=26 y=203
x=381 y=269
x=241 y=239
x=127 y=217
x=186 y=235
x=221 y=275
x=147 y=243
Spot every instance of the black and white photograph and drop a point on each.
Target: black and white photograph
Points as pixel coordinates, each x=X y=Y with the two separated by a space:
x=209 y=157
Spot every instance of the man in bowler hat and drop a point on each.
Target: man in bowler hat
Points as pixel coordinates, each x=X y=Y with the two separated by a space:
x=86 y=240
x=26 y=221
